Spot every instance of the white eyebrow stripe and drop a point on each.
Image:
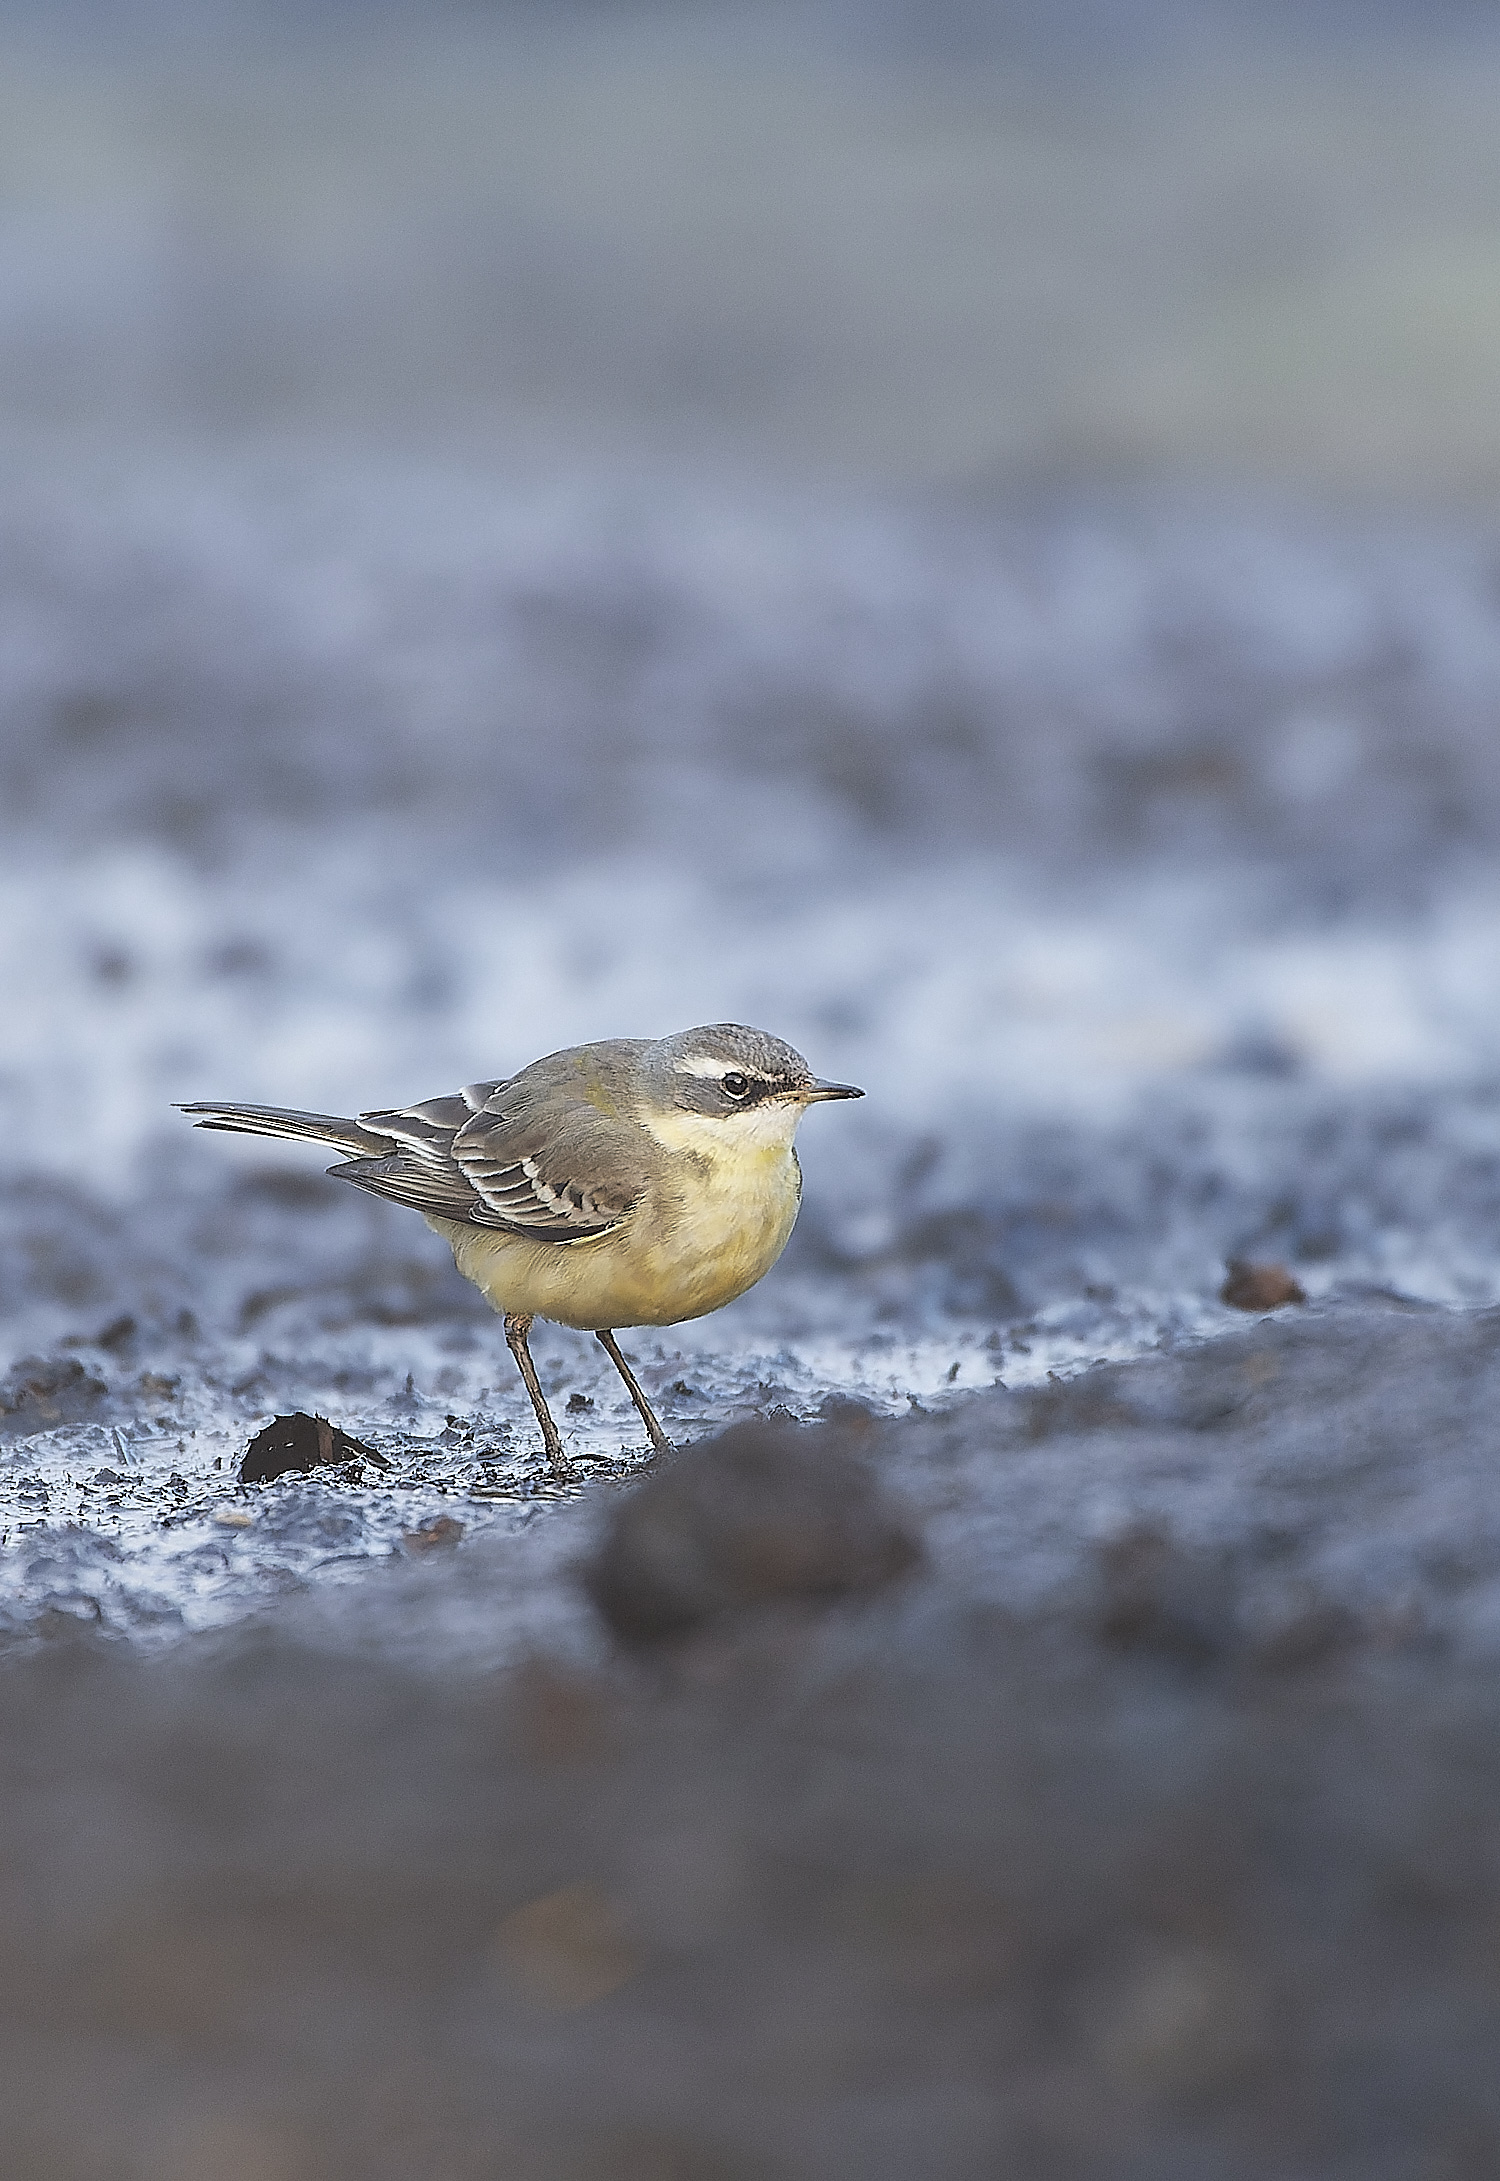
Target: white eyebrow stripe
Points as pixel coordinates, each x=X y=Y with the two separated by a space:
x=703 y=1064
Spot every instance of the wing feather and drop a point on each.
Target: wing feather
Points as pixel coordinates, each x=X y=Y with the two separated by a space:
x=540 y=1154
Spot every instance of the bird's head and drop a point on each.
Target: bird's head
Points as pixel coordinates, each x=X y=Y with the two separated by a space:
x=754 y=1085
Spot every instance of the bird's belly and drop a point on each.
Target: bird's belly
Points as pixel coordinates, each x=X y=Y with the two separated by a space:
x=676 y=1262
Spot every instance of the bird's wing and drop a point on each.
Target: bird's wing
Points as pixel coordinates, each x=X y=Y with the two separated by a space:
x=532 y=1155
x=559 y=1182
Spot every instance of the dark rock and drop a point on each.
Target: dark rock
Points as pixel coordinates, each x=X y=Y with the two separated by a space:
x=304 y=1443
x=1259 y=1287
x=764 y=1511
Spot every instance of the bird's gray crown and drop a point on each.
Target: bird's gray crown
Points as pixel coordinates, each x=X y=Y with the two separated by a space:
x=722 y=1066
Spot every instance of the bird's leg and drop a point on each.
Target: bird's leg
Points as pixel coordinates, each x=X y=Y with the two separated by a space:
x=659 y=1439
x=516 y=1329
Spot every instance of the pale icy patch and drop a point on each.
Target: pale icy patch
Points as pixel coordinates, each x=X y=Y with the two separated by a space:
x=130 y=981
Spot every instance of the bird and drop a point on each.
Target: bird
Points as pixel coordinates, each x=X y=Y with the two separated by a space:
x=630 y=1182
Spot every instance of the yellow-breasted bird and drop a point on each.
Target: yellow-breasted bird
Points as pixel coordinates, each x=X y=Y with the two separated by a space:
x=633 y=1182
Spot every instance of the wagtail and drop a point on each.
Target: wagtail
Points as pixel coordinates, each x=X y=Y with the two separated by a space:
x=634 y=1182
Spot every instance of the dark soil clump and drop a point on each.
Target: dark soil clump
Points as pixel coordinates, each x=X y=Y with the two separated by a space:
x=763 y=1512
x=301 y=1443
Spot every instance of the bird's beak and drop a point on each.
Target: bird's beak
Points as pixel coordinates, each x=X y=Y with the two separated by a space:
x=814 y=1091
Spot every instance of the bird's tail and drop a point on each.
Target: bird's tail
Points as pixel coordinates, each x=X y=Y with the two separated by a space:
x=349 y=1137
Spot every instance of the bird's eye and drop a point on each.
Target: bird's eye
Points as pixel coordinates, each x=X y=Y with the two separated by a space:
x=734 y=1085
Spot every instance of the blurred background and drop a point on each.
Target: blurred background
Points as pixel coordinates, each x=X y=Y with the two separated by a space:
x=965 y=532
x=962 y=533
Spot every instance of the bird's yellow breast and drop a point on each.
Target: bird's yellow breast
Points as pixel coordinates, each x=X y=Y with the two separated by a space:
x=715 y=1221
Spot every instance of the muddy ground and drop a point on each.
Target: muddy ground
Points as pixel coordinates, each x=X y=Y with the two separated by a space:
x=965 y=536
x=1143 y=1825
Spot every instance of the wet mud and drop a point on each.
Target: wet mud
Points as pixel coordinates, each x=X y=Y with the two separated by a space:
x=1061 y=1739
x=1045 y=1725
x=1143 y=1825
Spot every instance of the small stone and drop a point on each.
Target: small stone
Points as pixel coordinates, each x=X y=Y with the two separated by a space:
x=440 y=1531
x=577 y=1402
x=764 y=1511
x=1259 y=1287
x=234 y=1518
x=301 y=1443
